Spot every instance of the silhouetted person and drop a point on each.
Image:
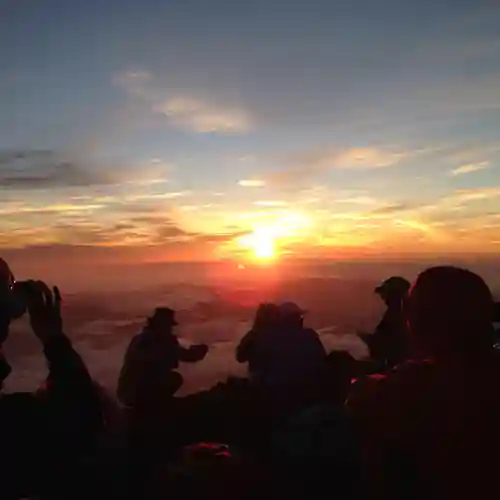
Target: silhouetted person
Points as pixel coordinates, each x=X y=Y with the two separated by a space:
x=317 y=446
x=291 y=359
x=148 y=374
x=266 y=319
x=341 y=369
x=388 y=345
x=45 y=435
x=430 y=427
x=146 y=386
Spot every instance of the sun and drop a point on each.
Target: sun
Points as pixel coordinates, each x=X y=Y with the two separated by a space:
x=264 y=248
x=261 y=244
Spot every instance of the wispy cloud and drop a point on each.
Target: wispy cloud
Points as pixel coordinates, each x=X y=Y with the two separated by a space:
x=413 y=224
x=271 y=203
x=476 y=152
x=135 y=82
x=357 y=200
x=159 y=196
x=18 y=208
x=351 y=158
x=198 y=116
x=251 y=183
x=394 y=208
x=468 y=195
x=187 y=112
x=303 y=166
x=469 y=168
x=362 y=158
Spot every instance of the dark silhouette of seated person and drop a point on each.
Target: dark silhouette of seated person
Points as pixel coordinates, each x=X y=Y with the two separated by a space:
x=430 y=426
x=148 y=373
x=388 y=345
x=287 y=359
x=45 y=434
x=267 y=318
x=340 y=370
x=317 y=446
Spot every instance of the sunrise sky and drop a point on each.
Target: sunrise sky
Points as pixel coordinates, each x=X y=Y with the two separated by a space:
x=190 y=129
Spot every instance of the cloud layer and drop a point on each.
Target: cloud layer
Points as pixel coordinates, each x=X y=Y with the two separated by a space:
x=33 y=169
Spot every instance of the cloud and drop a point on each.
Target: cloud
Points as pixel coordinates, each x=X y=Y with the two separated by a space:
x=363 y=158
x=471 y=167
x=151 y=230
x=352 y=158
x=251 y=183
x=471 y=152
x=159 y=196
x=19 y=209
x=187 y=112
x=306 y=165
x=393 y=209
x=357 y=200
x=45 y=169
x=134 y=82
x=467 y=195
x=220 y=237
x=413 y=224
x=34 y=169
x=189 y=208
x=198 y=116
x=271 y=203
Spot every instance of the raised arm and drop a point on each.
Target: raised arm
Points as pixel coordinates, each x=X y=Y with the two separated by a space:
x=70 y=399
x=67 y=371
x=192 y=354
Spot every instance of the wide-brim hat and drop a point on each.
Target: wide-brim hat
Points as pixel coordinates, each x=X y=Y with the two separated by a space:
x=164 y=316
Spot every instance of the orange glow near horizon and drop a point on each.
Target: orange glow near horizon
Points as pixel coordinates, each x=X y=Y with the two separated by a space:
x=261 y=244
x=267 y=240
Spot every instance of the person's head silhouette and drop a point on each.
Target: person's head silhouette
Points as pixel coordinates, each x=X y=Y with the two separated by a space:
x=291 y=314
x=266 y=316
x=450 y=312
x=393 y=290
x=162 y=321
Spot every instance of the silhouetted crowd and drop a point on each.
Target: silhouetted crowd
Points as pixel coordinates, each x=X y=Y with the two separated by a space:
x=420 y=418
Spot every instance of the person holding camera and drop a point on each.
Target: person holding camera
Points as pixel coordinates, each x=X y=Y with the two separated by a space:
x=44 y=434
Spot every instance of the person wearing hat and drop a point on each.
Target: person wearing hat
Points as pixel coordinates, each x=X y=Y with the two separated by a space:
x=148 y=374
x=388 y=345
x=266 y=319
x=430 y=427
x=288 y=358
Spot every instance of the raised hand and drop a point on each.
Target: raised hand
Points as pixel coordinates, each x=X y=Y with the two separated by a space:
x=44 y=307
x=201 y=350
